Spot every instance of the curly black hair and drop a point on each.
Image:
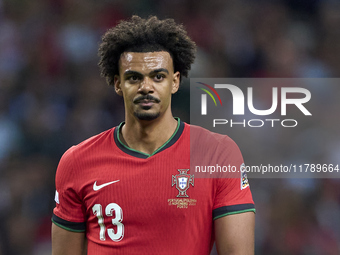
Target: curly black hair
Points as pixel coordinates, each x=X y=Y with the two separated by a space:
x=145 y=35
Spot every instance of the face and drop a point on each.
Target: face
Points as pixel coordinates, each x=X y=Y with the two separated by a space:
x=146 y=82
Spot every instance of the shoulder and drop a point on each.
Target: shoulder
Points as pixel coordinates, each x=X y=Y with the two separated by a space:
x=93 y=144
x=202 y=137
x=209 y=149
x=78 y=157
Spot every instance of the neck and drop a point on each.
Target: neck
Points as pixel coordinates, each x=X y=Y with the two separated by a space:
x=148 y=136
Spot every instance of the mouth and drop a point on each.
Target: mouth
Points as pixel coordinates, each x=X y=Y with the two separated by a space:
x=146 y=103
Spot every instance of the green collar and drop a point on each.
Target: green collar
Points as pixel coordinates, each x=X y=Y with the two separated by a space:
x=175 y=136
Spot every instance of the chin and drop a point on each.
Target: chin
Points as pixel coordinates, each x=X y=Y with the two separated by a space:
x=146 y=116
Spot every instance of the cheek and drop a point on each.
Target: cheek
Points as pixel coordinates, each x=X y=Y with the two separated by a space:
x=167 y=95
x=128 y=98
x=129 y=92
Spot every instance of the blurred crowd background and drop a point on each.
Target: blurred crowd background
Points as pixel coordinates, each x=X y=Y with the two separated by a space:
x=52 y=97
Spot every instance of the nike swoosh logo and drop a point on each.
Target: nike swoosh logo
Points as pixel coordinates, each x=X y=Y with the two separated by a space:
x=98 y=187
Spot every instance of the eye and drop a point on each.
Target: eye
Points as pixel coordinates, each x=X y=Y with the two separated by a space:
x=133 y=78
x=159 y=77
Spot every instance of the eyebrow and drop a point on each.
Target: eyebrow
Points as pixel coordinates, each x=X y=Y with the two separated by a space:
x=130 y=72
x=159 y=70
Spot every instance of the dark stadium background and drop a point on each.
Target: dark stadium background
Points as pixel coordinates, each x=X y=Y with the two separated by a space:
x=51 y=97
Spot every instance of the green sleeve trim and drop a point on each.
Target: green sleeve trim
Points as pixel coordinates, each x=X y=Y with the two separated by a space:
x=66 y=228
x=236 y=212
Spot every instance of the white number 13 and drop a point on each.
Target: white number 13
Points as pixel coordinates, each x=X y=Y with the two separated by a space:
x=117 y=220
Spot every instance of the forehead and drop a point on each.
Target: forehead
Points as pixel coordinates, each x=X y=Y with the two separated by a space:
x=145 y=61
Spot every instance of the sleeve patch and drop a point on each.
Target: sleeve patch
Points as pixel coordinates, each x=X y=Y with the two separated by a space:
x=232 y=209
x=244 y=178
x=56 y=197
x=68 y=225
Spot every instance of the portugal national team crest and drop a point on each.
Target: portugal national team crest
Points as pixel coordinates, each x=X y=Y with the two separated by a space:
x=182 y=181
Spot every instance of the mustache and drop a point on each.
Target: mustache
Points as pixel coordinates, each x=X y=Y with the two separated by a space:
x=146 y=97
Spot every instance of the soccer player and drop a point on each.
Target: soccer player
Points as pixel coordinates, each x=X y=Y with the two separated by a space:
x=130 y=189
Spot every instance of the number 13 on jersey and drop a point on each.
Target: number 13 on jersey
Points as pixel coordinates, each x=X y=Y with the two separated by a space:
x=117 y=221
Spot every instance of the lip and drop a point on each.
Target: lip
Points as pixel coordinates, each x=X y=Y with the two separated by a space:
x=146 y=103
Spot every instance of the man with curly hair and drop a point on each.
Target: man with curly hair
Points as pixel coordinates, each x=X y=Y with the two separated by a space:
x=130 y=189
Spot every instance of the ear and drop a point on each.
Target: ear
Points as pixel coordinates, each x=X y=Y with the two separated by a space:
x=175 y=82
x=117 y=85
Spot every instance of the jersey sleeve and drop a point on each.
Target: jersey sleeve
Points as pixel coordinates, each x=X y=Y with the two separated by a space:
x=69 y=212
x=233 y=195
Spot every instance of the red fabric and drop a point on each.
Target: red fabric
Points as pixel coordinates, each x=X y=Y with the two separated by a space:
x=154 y=220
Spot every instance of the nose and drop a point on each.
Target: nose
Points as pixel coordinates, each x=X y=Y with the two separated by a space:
x=146 y=86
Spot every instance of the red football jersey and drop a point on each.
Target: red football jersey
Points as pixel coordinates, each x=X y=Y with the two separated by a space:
x=130 y=202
